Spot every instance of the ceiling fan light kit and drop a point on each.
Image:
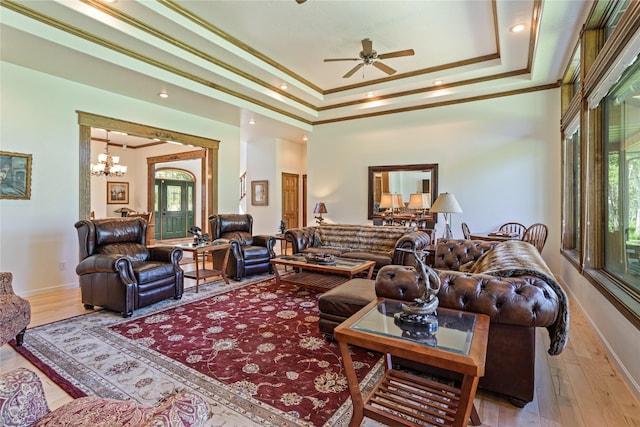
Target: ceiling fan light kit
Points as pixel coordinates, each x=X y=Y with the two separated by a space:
x=368 y=56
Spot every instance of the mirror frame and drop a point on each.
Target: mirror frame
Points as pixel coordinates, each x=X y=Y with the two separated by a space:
x=431 y=167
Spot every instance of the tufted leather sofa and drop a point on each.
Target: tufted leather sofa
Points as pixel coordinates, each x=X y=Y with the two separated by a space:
x=516 y=306
x=249 y=254
x=373 y=243
x=119 y=272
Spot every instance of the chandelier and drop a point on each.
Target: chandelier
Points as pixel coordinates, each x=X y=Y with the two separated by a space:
x=108 y=165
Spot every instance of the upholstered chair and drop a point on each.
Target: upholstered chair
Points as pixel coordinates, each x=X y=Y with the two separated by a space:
x=119 y=272
x=249 y=254
x=15 y=312
x=23 y=403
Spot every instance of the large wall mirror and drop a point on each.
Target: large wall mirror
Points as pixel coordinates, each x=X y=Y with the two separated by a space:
x=402 y=181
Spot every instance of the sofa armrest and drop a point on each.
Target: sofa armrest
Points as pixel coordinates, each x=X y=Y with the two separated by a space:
x=418 y=240
x=22 y=400
x=265 y=240
x=166 y=254
x=451 y=254
x=111 y=263
x=523 y=301
x=300 y=238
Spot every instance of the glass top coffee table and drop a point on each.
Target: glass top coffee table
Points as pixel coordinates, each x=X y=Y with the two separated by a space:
x=321 y=277
x=401 y=398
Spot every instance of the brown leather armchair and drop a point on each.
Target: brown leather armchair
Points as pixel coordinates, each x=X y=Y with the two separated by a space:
x=249 y=254
x=119 y=272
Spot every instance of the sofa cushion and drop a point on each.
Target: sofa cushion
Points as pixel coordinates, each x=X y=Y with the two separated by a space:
x=151 y=271
x=359 y=237
x=133 y=251
x=381 y=258
x=348 y=298
x=243 y=237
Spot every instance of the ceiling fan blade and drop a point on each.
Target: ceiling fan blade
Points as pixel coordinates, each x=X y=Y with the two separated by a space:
x=384 y=67
x=407 y=52
x=367 y=47
x=352 y=71
x=342 y=59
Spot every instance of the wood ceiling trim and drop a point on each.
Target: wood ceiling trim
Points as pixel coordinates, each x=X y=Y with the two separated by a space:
x=536 y=17
x=442 y=104
x=19 y=8
x=117 y=14
x=428 y=89
x=433 y=69
x=238 y=43
x=144 y=131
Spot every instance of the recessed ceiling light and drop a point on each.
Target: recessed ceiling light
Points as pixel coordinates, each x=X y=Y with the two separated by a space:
x=251 y=121
x=163 y=94
x=437 y=82
x=517 y=28
x=283 y=86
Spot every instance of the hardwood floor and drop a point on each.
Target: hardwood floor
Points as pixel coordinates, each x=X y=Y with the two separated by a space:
x=580 y=387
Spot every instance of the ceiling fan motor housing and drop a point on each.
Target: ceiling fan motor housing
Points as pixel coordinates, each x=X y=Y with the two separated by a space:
x=368 y=59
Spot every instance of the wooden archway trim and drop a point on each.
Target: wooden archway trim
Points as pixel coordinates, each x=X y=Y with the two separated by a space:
x=209 y=159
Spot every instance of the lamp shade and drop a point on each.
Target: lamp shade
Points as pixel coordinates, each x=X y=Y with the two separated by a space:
x=419 y=201
x=446 y=203
x=390 y=201
x=320 y=208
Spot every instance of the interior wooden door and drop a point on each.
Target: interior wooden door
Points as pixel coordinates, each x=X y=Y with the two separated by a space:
x=290 y=202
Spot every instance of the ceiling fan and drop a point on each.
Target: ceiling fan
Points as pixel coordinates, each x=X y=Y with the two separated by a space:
x=368 y=56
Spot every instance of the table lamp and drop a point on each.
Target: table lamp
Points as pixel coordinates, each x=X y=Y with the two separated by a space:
x=320 y=208
x=124 y=211
x=419 y=202
x=446 y=204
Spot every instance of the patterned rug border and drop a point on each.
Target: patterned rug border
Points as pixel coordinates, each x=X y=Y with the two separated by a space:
x=80 y=383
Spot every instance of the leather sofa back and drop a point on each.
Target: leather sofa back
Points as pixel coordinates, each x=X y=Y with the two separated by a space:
x=232 y=227
x=126 y=236
x=453 y=253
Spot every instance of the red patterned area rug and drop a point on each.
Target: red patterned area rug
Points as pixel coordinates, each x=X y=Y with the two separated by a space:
x=252 y=351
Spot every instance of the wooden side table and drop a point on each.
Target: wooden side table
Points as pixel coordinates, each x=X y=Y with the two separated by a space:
x=202 y=249
x=284 y=245
x=401 y=398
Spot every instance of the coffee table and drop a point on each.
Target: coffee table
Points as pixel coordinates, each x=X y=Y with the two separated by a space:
x=320 y=277
x=202 y=249
x=401 y=398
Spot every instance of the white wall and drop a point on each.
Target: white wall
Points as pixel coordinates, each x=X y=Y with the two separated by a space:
x=38 y=242
x=267 y=160
x=499 y=157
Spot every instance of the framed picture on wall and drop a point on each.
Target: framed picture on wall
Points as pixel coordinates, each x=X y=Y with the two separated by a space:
x=117 y=193
x=260 y=193
x=15 y=175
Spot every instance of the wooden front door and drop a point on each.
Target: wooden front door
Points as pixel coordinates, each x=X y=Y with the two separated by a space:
x=290 y=203
x=175 y=214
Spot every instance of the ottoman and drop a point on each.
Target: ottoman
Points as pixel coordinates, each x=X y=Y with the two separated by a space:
x=343 y=301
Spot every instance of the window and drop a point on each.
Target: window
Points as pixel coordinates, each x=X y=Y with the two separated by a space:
x=600 y=125
x=571 y=219
x=622 y=189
